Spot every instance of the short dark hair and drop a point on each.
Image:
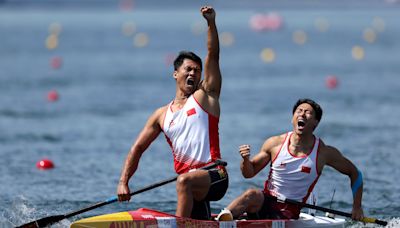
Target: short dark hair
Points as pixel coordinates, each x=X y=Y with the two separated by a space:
x=186 y=55
x=314 y=105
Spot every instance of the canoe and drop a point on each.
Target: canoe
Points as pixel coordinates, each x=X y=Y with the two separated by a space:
x=144 y=217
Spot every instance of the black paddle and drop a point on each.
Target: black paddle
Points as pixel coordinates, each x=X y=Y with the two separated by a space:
x=43 y=222
x=345 y=214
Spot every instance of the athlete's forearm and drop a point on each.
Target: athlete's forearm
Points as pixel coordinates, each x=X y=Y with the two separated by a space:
x=357 y=198
x=212 y=73
x=213 y=40
x=247 y=168
x=357 y=187
x=130 y=166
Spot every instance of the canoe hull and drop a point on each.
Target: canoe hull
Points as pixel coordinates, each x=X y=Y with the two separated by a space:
x=143 y=217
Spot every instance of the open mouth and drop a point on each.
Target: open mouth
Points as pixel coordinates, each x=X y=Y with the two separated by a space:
x=301 y=123
x=190 y=82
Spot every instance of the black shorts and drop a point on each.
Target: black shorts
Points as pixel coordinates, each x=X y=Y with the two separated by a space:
x=272 y=209
x=219 y=185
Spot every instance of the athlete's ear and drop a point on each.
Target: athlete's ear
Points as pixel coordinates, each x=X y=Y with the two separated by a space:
x=175 y=74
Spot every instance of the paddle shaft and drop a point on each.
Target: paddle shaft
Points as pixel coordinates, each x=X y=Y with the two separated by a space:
x=52 y=219
x=345 y=214
x=115 y=199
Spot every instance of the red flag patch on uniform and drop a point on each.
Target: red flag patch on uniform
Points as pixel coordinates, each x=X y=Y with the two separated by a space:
x=191 y=112
x=305 y=169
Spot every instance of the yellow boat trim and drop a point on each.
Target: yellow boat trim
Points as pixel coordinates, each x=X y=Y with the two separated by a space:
x=102 y=221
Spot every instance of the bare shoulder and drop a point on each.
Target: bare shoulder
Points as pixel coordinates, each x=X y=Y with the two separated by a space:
x=331 y=156
x=208 y=100
x=273 y=142
x=158 y=116
x=204 y=92
x=201 y=92
x=161 y=110
x=328 y=152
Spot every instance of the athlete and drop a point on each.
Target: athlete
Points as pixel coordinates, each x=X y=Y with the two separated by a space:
x=297 y=159
x=190 y=125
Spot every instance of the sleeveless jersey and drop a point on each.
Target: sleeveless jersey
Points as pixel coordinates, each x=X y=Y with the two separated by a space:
x=292 y=176
x=192 y=134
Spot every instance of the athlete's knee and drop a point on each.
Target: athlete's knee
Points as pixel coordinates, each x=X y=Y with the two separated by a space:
x=252 y=199
x=183 y=182
x=252 y=195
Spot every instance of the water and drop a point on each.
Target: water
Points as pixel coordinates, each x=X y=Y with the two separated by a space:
x=108 y=87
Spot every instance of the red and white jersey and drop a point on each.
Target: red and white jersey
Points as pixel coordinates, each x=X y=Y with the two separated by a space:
x=290 y=176
x=193 y=136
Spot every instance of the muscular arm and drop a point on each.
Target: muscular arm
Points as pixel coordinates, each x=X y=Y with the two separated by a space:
x=210 y=88
x=212 y=74
x=337 y=161
x=148 y=134
x=251 y=167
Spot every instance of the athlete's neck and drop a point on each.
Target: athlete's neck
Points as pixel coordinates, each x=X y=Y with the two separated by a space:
x=179 y=102
x=301 y=142
x=179 y=99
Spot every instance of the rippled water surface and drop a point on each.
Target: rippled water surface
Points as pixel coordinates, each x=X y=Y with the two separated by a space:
x=108 y=87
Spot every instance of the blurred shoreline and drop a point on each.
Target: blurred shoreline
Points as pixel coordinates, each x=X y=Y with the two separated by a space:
x=258 y=5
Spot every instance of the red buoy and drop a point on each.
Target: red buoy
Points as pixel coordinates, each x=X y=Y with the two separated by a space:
x=331 y=82
x=52 y=96
x=56 y=62
x=272 y=21
x=126 y=5
x=45 y=164
x=266 y=22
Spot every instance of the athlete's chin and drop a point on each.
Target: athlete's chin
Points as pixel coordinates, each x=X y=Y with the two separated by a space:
x=298 y=131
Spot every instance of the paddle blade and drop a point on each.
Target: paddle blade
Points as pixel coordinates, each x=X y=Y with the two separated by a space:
x=43 y=222
x=373 y=220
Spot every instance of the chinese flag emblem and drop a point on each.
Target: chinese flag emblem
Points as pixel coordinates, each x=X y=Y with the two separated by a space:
x=305 y=169
x=191 y=112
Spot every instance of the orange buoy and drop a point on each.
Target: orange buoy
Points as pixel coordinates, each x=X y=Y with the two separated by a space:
x=52 y=96
x=331 y=82
x=45 y=164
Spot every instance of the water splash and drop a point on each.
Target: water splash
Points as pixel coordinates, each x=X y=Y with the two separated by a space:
x=392 y=223
x=62 y=224
x=20 y=211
